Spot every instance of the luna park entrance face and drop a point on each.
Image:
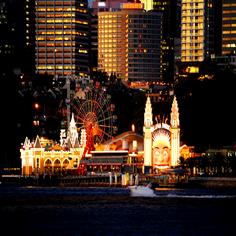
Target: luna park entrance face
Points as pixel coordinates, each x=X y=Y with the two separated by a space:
x=161 y=148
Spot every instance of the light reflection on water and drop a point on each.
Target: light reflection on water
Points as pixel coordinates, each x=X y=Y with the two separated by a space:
x=106 y=191
x=195 y=193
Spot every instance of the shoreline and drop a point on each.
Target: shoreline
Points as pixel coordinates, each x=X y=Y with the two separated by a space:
x=193 y=182
x=213 y=182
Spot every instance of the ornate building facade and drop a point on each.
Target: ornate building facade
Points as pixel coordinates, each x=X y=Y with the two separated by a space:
x=161 y=140
x=43 y=156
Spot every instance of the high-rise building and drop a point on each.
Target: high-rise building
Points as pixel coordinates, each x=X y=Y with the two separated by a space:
x=93 y=40
x=98 y=6
x=193 y=26
x=197 y=30
x=12 y=34
x=170 y=34
x=29 y=55
x=229 y=27
x=62 y=37
x=5 y=45
x=129 y=43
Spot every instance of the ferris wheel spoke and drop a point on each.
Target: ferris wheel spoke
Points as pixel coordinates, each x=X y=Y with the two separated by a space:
x=106 y=133
x=81 y=124
x=77 y=106
x=97 y=107
x=83 y=111
x=105 y=126
x=106 y=118
x=98 y=96
x=107 y=110
x=89 y=109
x=79 y=117
x=104 y=103
x=91 y=104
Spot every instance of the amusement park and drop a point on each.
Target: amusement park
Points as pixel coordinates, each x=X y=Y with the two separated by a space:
x=88 y=145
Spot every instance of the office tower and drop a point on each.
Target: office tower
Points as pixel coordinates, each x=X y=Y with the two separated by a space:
x=62 y=37
x=93 y=40
x=129 y=43
x=5 y=47
x=98 y=6
x=170 y=34
x=198 y=30
x=12 y=34
x=229 y=27
x=29 y=33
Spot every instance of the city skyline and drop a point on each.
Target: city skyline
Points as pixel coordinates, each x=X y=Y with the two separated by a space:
x=15 y=71
x=118 y=117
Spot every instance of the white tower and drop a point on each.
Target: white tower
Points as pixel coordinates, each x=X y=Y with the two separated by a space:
x=83 y=138
x=72 y=131
x=175 y=133
x=147 y=129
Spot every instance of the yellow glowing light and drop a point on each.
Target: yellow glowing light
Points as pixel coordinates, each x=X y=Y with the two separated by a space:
x=36 y=106
x=133 y=128
x=132 y=5
x=192 y=69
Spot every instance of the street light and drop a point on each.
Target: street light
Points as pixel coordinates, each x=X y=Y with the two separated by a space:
x=36 y=106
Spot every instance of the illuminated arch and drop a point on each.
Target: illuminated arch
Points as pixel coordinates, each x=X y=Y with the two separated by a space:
x=57 y=166
x=48 y=166
x=47 y=162
x=161 y=135
x=65 y=163
x=161 y=146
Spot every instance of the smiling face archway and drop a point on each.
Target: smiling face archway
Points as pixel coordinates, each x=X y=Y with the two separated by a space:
x=161 y=148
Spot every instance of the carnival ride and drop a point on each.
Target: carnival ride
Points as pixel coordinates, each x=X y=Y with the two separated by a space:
x=93 y=111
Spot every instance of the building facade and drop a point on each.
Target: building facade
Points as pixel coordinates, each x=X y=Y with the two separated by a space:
x=197 y=30
x=129 y=43
x=229 y=27
x=170 y=11
x=161 y=140
x=95 y=7
x=62 y=37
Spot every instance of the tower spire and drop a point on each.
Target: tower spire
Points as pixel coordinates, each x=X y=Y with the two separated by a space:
x=175 y=133
x=175 y=114
x=148 y=113
x=148 y=122
x=72 y=131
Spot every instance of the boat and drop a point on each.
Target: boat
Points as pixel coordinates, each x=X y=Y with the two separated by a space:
x=142 y=190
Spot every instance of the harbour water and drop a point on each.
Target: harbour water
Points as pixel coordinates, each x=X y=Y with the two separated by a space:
x=113 y=212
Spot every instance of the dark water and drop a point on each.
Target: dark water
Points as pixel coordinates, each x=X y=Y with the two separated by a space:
x=111 y=211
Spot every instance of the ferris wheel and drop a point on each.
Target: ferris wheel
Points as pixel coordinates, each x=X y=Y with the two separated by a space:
x=94 y=112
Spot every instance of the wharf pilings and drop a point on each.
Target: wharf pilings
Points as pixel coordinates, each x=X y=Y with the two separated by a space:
x=63 y=181
x=111 y=181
